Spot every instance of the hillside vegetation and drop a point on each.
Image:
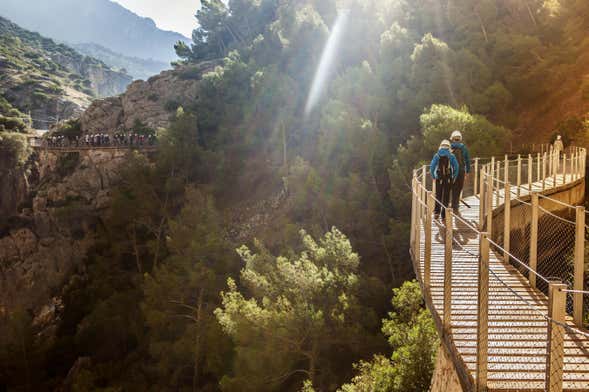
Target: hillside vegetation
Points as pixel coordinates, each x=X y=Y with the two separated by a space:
x=46 y=79
x=258 y=250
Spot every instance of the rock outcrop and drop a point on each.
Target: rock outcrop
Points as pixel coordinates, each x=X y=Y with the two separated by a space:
x=45 y=243
x=150 y=102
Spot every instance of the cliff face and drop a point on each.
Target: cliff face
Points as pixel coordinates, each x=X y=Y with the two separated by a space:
x=41 y=246
x=150 y=102
x=103 y=80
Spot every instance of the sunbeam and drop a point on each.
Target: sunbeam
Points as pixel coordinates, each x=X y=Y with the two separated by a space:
x=327 y=60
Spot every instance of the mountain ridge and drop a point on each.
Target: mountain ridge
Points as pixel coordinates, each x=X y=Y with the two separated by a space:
x=47 y=79
x=101 y=22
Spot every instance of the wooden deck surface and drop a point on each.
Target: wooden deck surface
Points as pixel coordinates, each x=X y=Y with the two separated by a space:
x=517 y=332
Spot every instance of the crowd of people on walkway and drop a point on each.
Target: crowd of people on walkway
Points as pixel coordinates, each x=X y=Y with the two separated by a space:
x=126 y=139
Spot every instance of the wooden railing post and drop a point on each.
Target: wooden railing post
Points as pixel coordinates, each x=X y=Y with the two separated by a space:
x=483 y=314
x=423 y=187
x=507 y=223
x=534 y=240
x=555 y=347
x=530 y=171
x=492 y=177
x=417 y=251
x=564 y=181
x=489 y=204
x=498 y=181
x=538 y=177
x=506 y=169
x=482 y=197
x=519 y=174
x=414 y=206
x=427 y=259
x=476 y=176
x=448 y=274
x=544 y=171
x=555 y=159
x=579 y=268
x=550 y=162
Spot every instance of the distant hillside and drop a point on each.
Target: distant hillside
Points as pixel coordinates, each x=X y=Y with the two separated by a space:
x=100 y=22
x=136 y=67
x=49 y=80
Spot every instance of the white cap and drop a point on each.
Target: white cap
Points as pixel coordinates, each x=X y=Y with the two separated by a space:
x=445 y=145
x=456 y=136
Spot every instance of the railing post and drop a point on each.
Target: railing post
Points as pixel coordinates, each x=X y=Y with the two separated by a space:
x=427 y=259
x=423 y=187
x=507 y=223
x=482 y=197
x=506 y=169
x=544 y=171
x=417 y=242
x=491 y=180
x=530 y=171
x=413 y=212
x=519 y=174
x=489 y=205
x=497 y=179
x=564 y=168
x=534 y=240
x=550 y=162
x=574 y=165
x=483 y=314
x=579 y=268
x=555 y=333
x=555 y=158
x=476 y=175
x=448 y=274
x=538 y=177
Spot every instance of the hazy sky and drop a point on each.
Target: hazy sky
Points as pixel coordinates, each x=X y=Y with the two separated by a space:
x=174 y=15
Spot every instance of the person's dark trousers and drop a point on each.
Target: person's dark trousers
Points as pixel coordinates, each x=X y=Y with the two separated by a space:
x=443 y=189
x=457 y=190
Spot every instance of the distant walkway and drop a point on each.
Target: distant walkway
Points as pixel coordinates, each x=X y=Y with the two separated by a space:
x=95 y=148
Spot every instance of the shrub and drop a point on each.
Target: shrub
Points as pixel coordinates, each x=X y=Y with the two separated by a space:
x=15 y=149
x=13 y=123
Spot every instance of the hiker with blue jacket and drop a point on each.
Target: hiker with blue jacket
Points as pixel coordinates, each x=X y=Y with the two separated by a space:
x=444 y=169
x=463 y=157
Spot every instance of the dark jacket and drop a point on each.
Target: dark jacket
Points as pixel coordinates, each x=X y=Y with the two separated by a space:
x=465 y=154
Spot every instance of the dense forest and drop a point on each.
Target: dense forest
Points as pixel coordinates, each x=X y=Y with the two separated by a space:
x=179 y=294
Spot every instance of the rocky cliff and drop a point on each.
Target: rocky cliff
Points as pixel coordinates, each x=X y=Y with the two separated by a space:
x=49 y=238
x=150 y=102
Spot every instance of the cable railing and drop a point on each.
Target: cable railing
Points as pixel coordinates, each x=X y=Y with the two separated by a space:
x=521 y=223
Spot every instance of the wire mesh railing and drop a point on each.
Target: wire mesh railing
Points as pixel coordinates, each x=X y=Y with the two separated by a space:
x=536 y=234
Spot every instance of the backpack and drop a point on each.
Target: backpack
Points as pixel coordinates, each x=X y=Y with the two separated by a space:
x=444 y=172
x=459 y=157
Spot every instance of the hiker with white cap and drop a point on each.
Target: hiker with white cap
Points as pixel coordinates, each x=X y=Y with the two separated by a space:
x=463 y=157
x=444 y=170
x=558 y=145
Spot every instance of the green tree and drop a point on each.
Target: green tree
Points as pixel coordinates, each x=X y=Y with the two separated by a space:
x=185 y=340
x=300 y=309
x=482 y=137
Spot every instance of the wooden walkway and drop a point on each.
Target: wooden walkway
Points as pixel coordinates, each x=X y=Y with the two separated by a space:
x=517 y=335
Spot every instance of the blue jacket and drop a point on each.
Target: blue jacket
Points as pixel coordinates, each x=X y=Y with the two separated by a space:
x=465 y=154
x=433 y=168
